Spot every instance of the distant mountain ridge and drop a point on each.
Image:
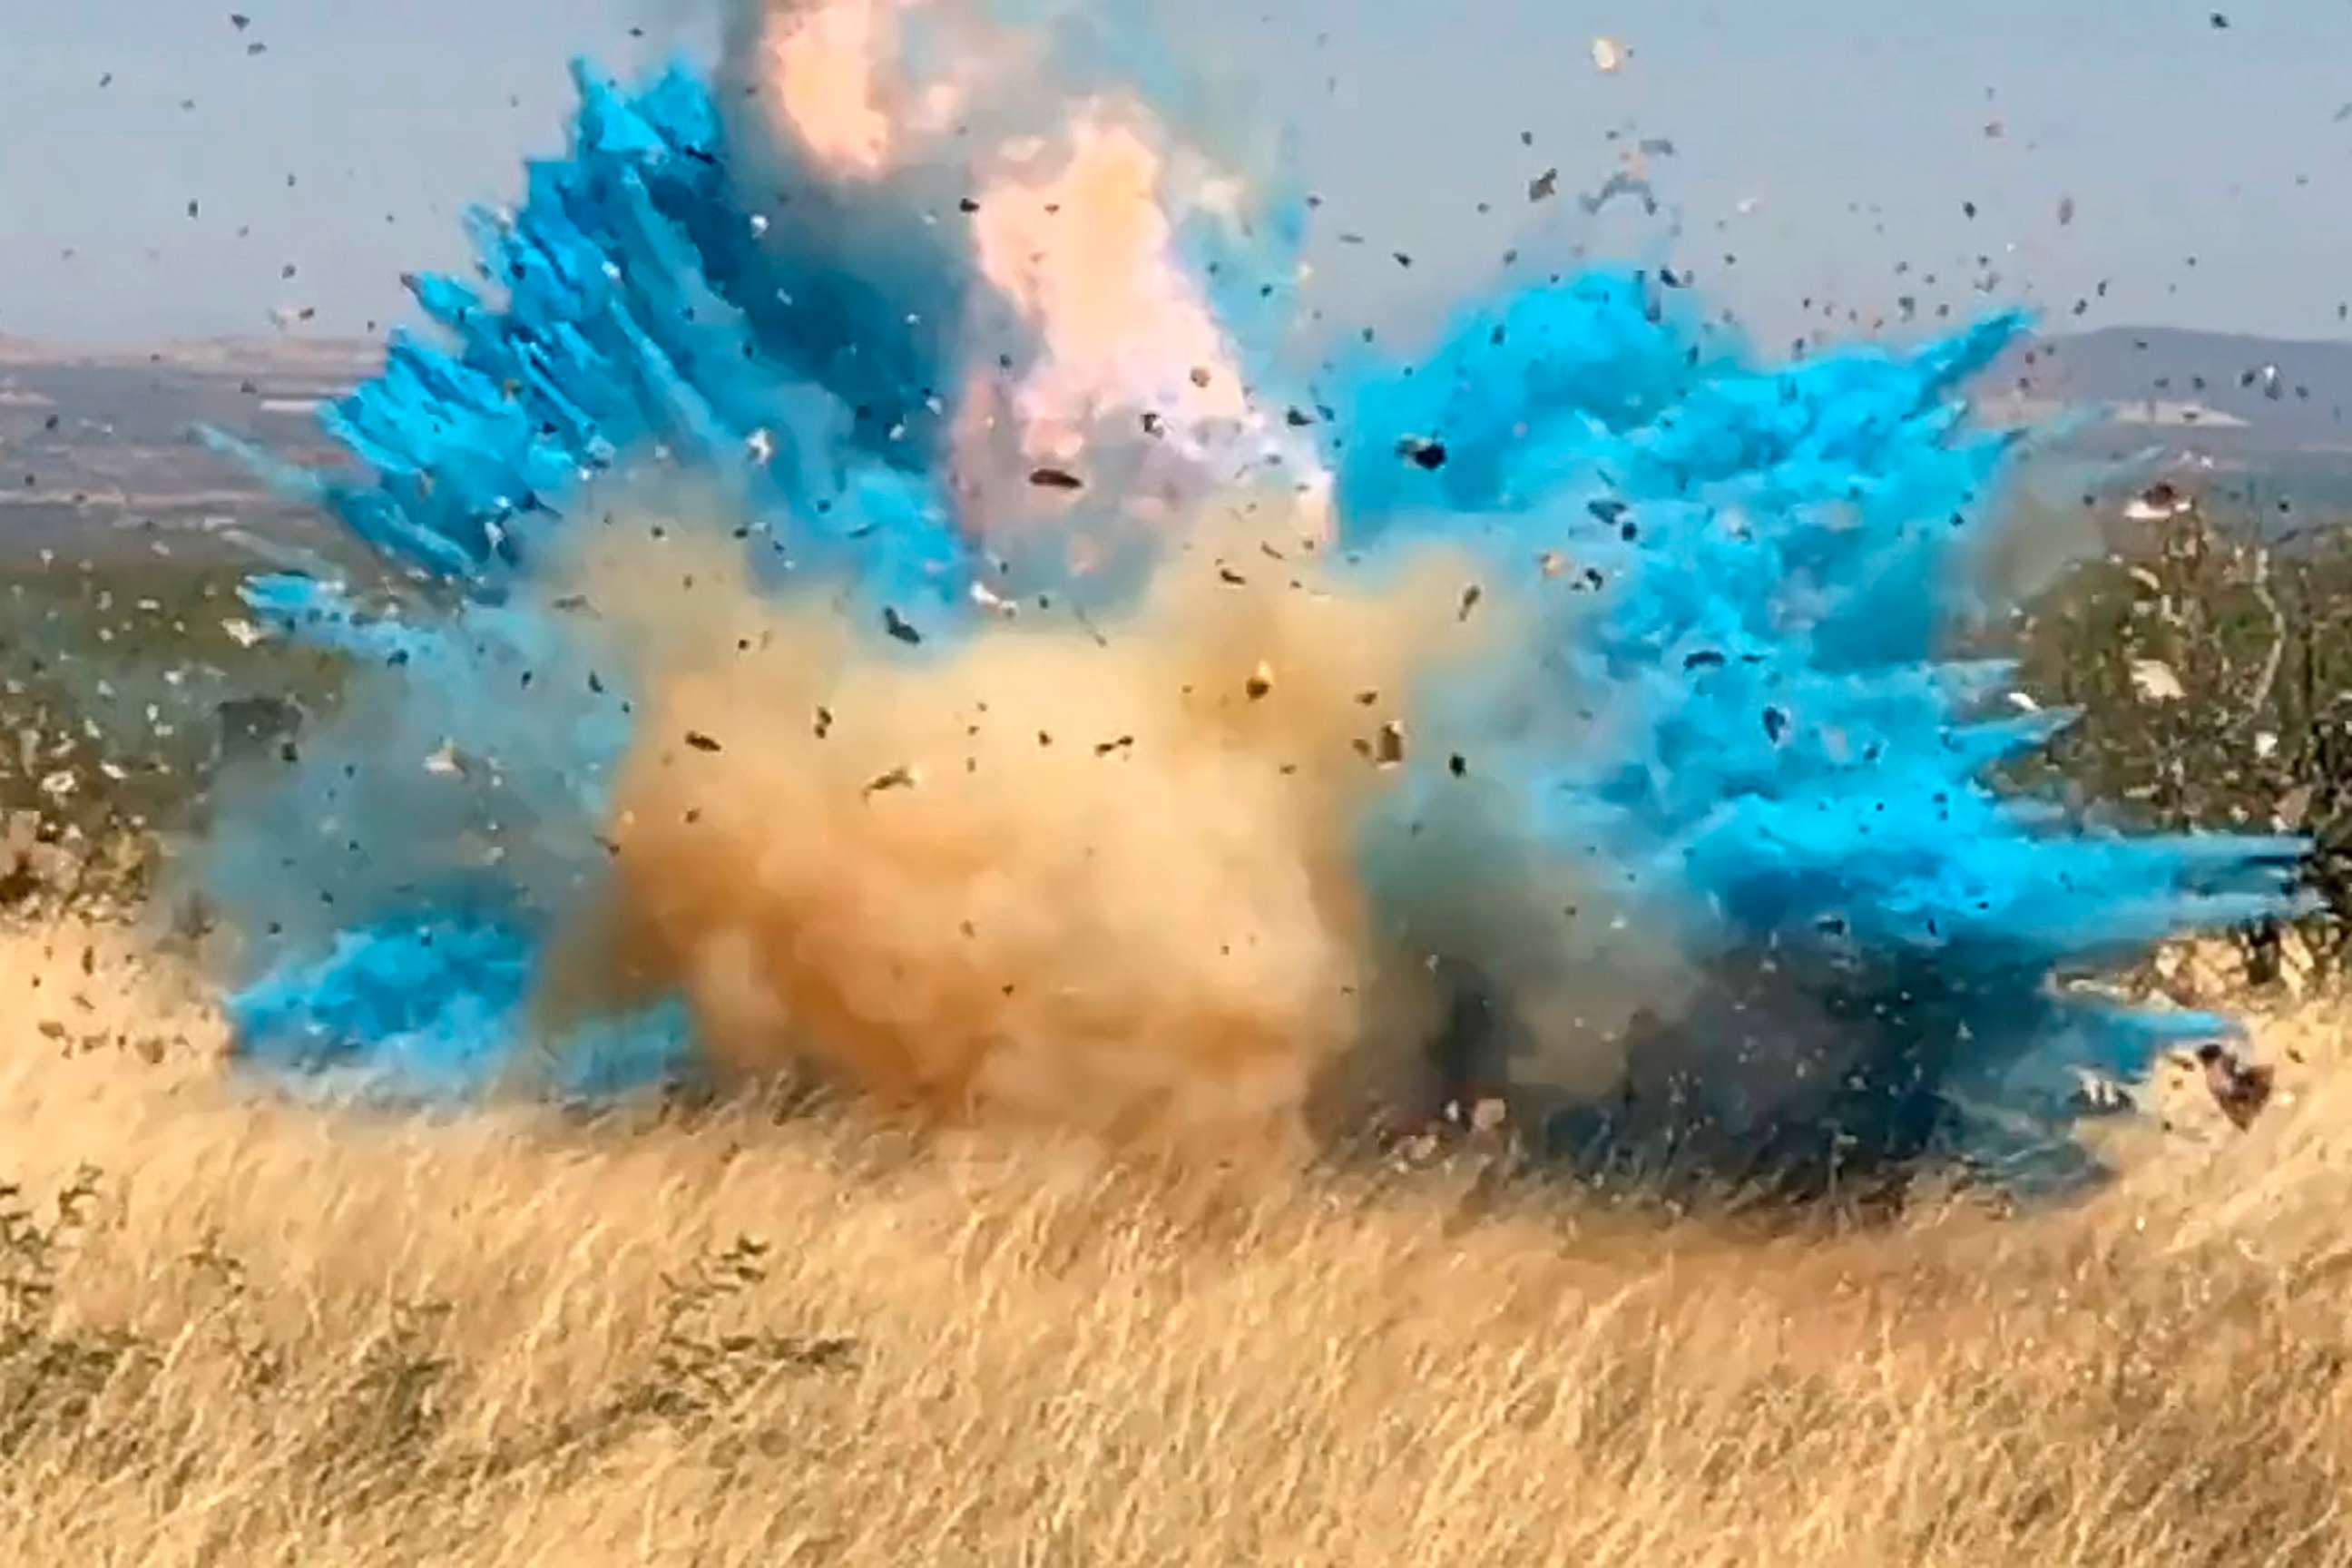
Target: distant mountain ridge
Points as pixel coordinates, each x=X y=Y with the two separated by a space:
x=2276 y=393
x=2269 y=394
x=99 y=437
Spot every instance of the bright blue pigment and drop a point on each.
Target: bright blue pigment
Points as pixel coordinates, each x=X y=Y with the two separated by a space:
x=1736 y=733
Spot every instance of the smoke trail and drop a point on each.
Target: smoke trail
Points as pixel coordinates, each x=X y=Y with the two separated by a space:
x=894 y=610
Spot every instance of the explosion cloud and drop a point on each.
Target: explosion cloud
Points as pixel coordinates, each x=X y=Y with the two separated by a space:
x=876 y=596
x=1102 y=877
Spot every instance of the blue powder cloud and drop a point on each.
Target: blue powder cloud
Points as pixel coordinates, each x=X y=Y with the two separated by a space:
x=1732 y=727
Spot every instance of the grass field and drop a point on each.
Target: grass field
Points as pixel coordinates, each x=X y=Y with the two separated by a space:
x=237 y=1330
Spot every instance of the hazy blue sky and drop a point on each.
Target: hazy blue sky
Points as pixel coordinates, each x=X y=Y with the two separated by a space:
x=1855 y=128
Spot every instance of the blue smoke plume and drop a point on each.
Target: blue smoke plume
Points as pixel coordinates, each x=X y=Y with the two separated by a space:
x=1727 y=723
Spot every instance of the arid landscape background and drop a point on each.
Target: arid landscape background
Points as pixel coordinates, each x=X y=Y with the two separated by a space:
x=235 y=1329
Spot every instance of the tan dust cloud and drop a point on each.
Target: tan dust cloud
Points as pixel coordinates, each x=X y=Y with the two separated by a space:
x=1097 y=873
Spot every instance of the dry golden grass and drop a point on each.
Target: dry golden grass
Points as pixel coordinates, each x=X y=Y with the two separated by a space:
x=269 y=1334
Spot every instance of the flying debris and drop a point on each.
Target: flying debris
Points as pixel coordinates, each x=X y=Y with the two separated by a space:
x=1617 y=186
x=2241 y=1090
x=2155 y=681
x=447 y=762
x=899 y=777
x=1743 y=760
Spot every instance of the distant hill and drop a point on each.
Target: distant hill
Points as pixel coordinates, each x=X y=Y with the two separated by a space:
x=2260 y=393
x=2258 y=427
x=2290 y=392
